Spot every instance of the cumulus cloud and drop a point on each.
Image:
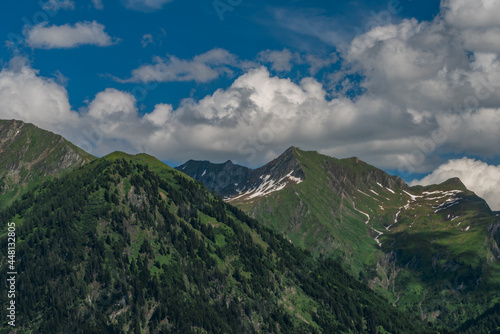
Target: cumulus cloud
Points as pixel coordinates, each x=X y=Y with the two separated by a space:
x=202 y=68
x=476 y=175
x=110 y=121
x=26 y=96
x=65 y=36
x=476 y=22
x=442 y=74
x=427 y=90
x=471 y=14
x=256 y=115
x=260 y=115
x=145 y=5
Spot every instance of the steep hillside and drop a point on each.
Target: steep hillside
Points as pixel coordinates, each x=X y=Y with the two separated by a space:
x=29 y=154
x=431 y=250
x=126 y=244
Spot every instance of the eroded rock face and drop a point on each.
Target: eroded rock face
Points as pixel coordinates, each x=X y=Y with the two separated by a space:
x=28 y=153
x=235 y=182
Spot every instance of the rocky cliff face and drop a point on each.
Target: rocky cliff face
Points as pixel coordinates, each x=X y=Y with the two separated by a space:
x=235 y=182
x=224 y=178
x=28 y=154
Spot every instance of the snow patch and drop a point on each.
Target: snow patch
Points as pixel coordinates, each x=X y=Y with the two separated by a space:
x=378 y=236
x=363 y=193
x=435 y=198
x=467 y=228
x=204 y=172
x=446 y=204
x=269 y=186
x=432 y=192
x=397 y=216
x=367 y=215
x=413 y=197
x=392 y=191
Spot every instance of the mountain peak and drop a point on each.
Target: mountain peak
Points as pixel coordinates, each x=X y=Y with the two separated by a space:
x=453 y=183
x=28 y=153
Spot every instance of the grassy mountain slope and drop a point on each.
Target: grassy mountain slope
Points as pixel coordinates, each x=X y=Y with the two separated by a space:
x=431 y=250
x=29 y=154
x=127 y=244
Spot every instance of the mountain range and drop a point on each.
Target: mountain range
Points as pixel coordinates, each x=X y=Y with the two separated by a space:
x=305 y=244
x=429 y=250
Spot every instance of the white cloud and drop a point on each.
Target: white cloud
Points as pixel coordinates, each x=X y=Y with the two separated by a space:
x=433 y=72
x=476 y=21
x=112 y=103
x=98 y=4
x=281 y=61
x=202 y=68
x=56 y=5
x=146 y=40
x=68 y=36
x=413 y=75
x=25 y=95
x=476 y=175
x=471 y=14
x=145 y=5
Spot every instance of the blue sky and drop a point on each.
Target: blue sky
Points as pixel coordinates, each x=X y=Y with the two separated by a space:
x=182 y=29
x=408 y=86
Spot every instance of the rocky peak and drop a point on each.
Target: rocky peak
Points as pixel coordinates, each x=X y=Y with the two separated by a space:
x=286 y=164
x=28 y=153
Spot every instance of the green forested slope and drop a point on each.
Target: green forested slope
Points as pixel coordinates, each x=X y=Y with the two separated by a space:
x=126 y=244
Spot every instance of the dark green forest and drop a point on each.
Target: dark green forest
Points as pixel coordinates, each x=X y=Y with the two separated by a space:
x=114 y=247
